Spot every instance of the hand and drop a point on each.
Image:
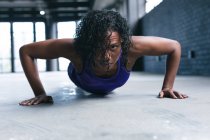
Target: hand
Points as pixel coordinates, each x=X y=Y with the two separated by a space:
x=170 y=93
x=37 y=100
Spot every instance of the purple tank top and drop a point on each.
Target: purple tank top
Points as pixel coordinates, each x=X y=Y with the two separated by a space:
x=88 y=81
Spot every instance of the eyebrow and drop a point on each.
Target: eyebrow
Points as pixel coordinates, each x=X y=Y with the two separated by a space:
x=115 y=43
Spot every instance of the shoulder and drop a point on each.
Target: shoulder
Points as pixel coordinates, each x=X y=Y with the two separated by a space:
x=72 y=54
x=139 y=44
x=136 y=47
x=132 y=55
x=66 y=48
x=134 y=51
x=152 y=45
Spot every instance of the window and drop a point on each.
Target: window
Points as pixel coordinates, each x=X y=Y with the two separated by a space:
x=5 y=47
x=150 y=4
x=65 y=30
x=40 y=36
x=23 y=34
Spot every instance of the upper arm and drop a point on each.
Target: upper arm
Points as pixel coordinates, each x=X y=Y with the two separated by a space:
x=49 y=49
x=148 y=45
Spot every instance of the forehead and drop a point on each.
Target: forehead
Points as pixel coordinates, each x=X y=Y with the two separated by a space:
x=114 y=37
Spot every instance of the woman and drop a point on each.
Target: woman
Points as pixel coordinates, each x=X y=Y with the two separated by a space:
x=102 y=56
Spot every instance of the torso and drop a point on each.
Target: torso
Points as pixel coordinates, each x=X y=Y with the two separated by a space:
x=88 y=79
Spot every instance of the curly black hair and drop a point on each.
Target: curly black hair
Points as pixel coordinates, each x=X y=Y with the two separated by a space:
x=92 y=33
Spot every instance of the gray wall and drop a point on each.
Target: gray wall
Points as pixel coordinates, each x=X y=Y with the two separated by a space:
x=132 y=10
x=187 y=21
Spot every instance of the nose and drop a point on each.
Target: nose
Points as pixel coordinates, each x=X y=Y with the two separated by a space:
x=107 y=56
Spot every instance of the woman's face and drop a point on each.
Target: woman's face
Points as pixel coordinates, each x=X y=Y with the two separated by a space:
x=112 y=54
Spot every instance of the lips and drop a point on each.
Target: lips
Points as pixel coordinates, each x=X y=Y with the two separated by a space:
x=105 y=63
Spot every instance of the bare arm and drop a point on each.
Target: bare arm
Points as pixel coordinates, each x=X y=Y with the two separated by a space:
x=48 y=49
x=161 y=46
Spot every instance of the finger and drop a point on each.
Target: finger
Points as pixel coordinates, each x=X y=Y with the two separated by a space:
x=37 y=102
x=25 y=102
x=21 y=103
x=184 y=96
x=161 y=94
x=172 y=95
x=33 y=101
x=178 y=95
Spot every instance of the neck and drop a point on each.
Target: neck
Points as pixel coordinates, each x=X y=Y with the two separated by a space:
x=104 y=71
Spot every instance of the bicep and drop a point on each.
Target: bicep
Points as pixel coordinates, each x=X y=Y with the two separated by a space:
x=49 y=49
x=149 y=45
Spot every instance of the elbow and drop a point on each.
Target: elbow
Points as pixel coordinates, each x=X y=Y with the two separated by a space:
x=176 y=47
x=23 y=51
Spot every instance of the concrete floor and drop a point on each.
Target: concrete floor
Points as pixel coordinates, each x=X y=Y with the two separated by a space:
x=132 y=113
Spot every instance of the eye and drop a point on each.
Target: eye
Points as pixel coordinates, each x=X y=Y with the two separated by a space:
x=113 y=47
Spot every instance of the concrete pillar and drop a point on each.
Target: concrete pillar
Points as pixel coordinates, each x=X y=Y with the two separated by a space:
x=123 y=9
x=136 y=10
x=51 y=32
x=132 y=10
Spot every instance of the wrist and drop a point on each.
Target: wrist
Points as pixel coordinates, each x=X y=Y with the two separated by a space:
x=166 y=88
x=40 y=94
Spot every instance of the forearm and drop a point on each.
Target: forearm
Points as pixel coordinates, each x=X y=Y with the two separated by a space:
x=172 y=65
x=31 y=72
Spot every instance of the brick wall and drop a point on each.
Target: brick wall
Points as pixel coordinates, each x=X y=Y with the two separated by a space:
x=187 y=21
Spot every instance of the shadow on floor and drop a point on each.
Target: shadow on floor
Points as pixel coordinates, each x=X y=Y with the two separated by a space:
x=71 y=95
